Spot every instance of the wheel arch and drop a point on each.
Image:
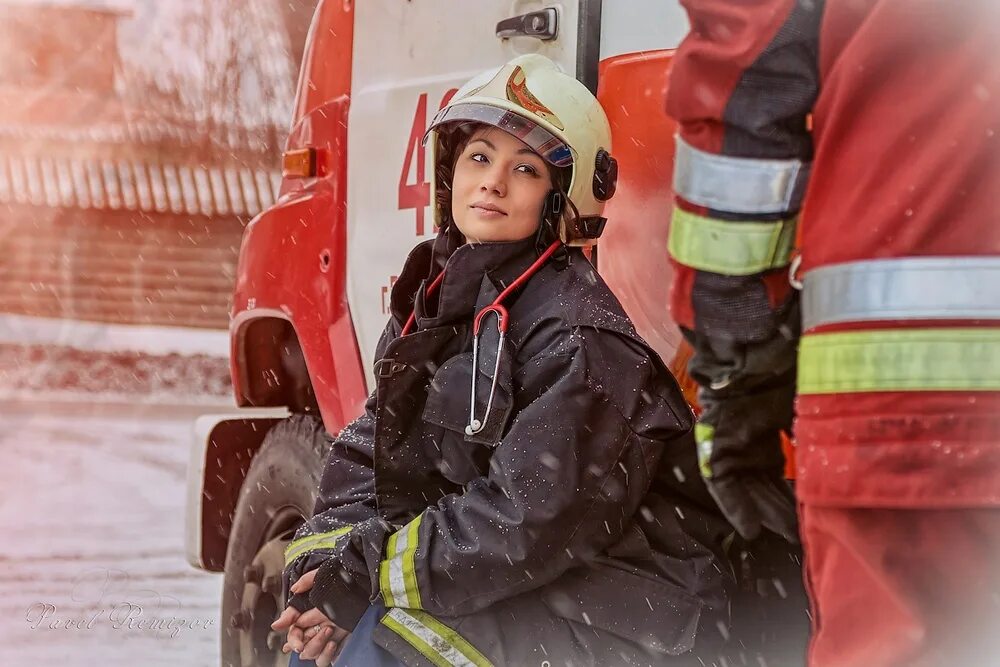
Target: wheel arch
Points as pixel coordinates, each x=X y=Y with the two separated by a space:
x=223 y=449
x=269 y=367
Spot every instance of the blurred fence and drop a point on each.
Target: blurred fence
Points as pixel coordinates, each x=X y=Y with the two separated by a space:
x=130 y=162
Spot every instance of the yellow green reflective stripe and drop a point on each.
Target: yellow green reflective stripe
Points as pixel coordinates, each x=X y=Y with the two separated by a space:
x=945 y=359
x=410 y=563
x=433 y=639
x=731 y=248
x=397 y=573
x=383 y=571
x=703 y=436
x=312 y=543
x=452 y=637
x=393 y=566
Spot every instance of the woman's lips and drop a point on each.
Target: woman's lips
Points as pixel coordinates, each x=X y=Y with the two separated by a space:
x=488 y=212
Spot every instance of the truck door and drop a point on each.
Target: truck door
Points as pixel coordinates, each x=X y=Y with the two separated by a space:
x=408 y=59
x=638 y=38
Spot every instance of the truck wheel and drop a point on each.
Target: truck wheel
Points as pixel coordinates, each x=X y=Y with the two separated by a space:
x=277 y=495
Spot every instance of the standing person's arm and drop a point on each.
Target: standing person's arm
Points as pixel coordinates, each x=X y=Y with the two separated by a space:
x=742 y=85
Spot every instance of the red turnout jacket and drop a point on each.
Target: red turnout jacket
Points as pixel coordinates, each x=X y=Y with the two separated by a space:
x=866 y=134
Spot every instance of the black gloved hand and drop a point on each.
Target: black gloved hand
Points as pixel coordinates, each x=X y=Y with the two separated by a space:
x=338 y=596
x=348 y=582
x=300 y=602
x=740 y=459
x=747 y=392
x=754 y=501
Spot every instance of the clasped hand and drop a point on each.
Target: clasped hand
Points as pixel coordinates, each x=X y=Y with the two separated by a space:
x=310 y=634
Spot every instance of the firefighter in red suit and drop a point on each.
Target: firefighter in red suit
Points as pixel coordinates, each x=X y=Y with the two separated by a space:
x=837 y=227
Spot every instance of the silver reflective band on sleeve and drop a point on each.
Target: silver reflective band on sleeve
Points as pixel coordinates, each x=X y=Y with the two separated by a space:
x=437 y=642
x=397 y=573
x=913 y=288
x=397 y=583
x=738 y=185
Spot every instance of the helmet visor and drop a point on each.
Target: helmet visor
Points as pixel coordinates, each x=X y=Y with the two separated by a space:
x=552 y=149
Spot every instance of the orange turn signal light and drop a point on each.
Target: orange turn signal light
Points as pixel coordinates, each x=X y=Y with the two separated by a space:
x=299 y=163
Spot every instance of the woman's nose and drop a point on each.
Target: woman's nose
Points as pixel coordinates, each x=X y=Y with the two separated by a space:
x=492 y=183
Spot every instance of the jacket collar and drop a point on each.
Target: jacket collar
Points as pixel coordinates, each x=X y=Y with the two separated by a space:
x=473 y=272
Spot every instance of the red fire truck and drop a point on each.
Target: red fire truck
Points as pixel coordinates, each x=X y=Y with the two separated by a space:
x=315 y=269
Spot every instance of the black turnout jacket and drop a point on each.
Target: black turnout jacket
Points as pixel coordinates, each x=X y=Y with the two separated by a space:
x=573 y=529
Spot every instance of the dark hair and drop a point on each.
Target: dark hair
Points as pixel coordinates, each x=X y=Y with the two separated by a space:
x=451 y=143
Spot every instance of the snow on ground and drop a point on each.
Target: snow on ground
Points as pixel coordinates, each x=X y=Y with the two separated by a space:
x=92 y=517
x=102 y=337
x=64 y=360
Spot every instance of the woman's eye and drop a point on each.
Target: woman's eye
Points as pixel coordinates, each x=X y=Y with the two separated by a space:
x=527 y=169
x=478 y=157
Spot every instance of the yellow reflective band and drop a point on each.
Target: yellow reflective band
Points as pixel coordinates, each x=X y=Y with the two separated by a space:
x=313 y=542
x=703 y=436
x=433 y=639
x=703 y=432
x=409 y=563
x=394 y=565
x=946 y=359
x=397 y=573
x=385 y=584
x=739 y=248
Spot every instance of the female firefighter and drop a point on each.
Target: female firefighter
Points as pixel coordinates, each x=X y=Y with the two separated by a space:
x=522 y=487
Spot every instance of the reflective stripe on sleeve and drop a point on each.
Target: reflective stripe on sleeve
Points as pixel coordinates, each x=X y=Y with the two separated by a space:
x=383 y=572
x=704 y=437
x=736 y=184
x=739 y=248
x=945 y=359
x=313 y=543
x=397 y=573
x=433 y=639
x=907 y=288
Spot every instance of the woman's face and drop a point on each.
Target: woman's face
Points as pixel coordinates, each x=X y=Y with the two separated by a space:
x=498 y=188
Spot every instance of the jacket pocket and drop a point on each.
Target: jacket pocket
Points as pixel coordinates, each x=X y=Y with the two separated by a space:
x=640 y=608
x=449 y=395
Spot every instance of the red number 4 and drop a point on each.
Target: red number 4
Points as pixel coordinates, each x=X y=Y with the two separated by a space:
x=417 y=195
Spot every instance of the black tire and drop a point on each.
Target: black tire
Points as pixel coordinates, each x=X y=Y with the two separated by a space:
x=277 y=495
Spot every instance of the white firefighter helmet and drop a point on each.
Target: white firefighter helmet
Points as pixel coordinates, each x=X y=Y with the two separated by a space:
x=532 y=99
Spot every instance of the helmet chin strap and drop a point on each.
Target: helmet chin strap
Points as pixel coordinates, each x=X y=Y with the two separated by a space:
x=548 y=227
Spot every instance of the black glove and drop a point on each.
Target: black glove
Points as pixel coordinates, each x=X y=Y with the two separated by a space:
x=347 y=582
x=747 y=396
x=300 y=602
x=740 y=458
x=751 y=501
x=338 y=596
